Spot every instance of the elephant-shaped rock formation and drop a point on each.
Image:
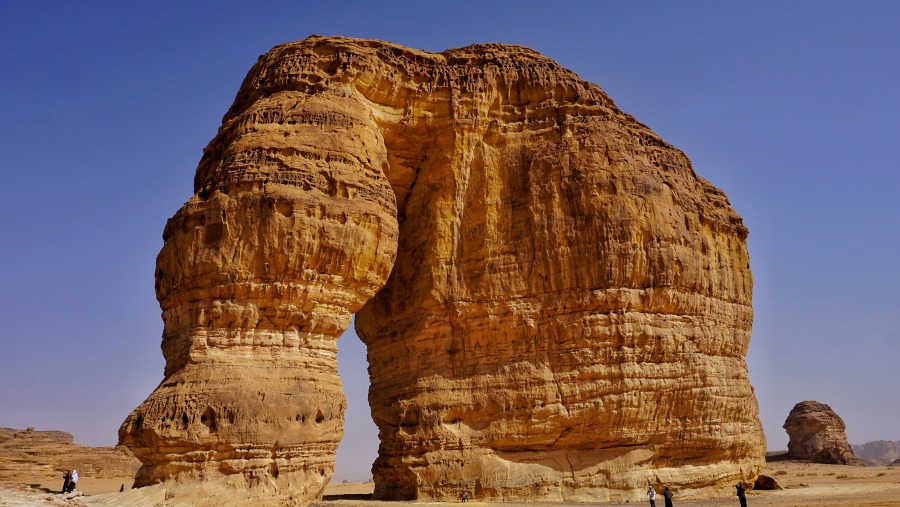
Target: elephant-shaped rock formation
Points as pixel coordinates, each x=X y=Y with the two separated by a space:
x=554 y=304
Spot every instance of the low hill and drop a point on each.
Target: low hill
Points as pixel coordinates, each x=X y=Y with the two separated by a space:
x=30 y=453
x=878 y=453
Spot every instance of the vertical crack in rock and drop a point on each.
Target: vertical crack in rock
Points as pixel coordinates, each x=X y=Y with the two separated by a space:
x=561 y=312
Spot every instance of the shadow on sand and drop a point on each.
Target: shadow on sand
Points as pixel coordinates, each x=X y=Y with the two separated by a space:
x=772 y=457
x=335 y=498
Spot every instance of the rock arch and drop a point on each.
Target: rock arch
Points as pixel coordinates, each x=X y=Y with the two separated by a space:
x=554 y=304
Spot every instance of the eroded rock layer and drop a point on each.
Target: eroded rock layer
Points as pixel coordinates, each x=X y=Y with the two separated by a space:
x=292 y=227
x=567 y=316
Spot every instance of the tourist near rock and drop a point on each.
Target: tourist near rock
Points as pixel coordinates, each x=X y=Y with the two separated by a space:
x=28 y=453
x=555 y=305
x=817 y=434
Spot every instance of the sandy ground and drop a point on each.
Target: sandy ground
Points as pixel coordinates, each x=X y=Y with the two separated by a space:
x=805 y=484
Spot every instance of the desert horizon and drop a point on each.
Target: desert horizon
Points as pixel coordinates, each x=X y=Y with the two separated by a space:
x=29 y=477
x=805 y=484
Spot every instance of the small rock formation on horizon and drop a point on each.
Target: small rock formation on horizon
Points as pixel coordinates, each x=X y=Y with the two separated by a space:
x=28 y=453
x=555 y=305
x=878 y=452
x=817 y=434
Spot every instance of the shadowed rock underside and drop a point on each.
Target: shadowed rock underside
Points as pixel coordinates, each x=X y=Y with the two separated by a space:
x=555 y=305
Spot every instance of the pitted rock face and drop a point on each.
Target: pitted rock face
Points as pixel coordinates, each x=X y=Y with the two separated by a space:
x=555 y=305
x=817 y=434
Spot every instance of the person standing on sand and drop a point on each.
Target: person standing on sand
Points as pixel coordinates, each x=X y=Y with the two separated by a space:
x=66 y=477
x=741 y=489
x=73 y=480
x=667 y=493
x=652 y=494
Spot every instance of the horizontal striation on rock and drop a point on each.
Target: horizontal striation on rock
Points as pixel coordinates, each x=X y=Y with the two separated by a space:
x=554 y=304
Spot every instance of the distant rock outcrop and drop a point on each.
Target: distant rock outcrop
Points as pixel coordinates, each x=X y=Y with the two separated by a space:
x=817 y=434
x=878 y=452
x=555 y=305
x=25 y=453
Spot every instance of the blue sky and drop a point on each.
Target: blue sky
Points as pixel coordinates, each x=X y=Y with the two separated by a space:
x=790 y=107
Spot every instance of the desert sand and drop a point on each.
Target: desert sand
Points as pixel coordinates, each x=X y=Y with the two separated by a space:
x=805 y=484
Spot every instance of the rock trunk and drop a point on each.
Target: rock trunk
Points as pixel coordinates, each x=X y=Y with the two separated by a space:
x=291 y=229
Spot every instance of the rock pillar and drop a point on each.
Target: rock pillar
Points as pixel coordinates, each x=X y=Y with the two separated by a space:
x=292 y=227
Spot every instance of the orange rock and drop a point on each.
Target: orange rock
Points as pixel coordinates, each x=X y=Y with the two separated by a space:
x=566 y=317
x=818 y=434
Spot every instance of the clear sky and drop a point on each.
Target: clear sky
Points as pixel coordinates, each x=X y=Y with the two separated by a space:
x=790 y=107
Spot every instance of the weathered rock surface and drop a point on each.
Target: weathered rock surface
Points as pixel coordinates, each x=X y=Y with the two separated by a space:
x=568 y=308
x=878 y=453
x=816 y=433
x=29 y=453
x=291 y=230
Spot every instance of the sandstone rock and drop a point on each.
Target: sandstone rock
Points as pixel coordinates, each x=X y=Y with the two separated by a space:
x=817 y=434
x=28 y=437
x=28 y=453
x=566 y=317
